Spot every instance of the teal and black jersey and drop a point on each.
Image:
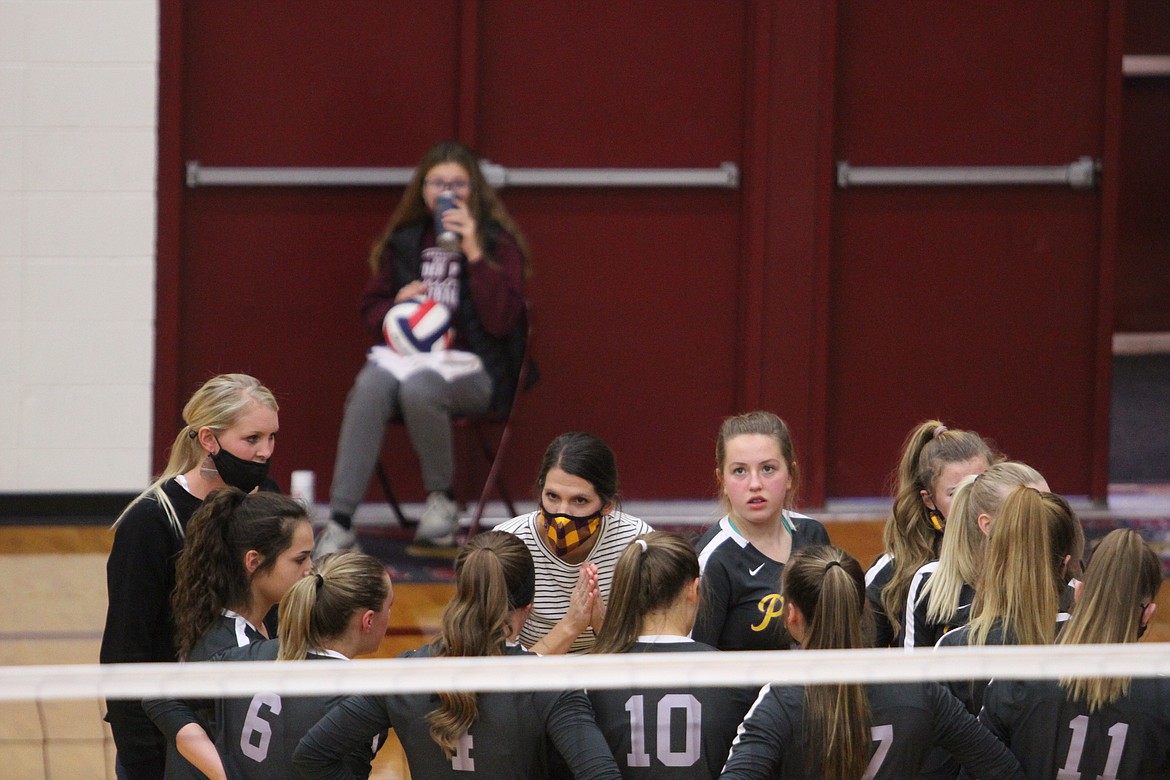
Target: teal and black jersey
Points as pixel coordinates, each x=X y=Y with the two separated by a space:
x=921 y=631
x=876 y=579
x=677 y=733
x=1055 y=737
x=741 y=603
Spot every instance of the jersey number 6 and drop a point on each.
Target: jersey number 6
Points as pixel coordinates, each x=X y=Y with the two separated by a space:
x=257 y=732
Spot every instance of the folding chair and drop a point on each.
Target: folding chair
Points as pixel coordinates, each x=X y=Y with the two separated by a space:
x=492 y=447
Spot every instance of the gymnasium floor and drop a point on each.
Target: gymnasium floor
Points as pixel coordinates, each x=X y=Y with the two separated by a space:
x=54 y=609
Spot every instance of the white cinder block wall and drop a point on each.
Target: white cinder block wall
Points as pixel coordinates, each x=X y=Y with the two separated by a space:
x=78 y=158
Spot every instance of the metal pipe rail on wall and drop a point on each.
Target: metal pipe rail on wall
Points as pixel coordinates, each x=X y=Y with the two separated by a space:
x=1079 y=175
x=726 y=175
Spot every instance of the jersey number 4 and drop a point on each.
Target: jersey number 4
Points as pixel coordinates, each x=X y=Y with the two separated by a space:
x=692 y=713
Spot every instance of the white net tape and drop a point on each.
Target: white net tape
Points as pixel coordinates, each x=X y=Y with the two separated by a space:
x=137 y=681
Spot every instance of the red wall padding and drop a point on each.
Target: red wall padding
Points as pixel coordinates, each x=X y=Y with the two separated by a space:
x=973 y=305
x=1143 y=253
x=851 y=313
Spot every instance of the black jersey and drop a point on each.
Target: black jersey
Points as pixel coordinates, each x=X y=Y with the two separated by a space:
x=509 y=739
x=256 y=736
x=1054 y=737
x=908 y=720
x=921 y=631
x=679 y=733
x=970 y=692
x=876 y=579
x=170 y=715
x=741 y=604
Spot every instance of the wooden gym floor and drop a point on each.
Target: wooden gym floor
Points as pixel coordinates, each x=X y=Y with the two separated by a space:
x=54 y=609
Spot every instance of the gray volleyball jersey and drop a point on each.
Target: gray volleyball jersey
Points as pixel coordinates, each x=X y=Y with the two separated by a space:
x=907 y=721
x=257 y=735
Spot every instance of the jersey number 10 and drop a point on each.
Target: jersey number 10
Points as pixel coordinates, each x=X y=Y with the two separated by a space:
x=692 y=713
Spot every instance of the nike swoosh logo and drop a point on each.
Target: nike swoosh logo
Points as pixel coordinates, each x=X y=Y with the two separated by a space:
x=756 y=570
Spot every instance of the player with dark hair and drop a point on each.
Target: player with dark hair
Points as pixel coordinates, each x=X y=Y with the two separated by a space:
x=678 y=733
x=742 y=555
x=851 y=730
x=1102 y=727
x=575 y=538
x=243 y=553
x=338 y=612
x=446 y=735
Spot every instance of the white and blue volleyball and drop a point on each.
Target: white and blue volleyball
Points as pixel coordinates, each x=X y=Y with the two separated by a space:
x=418 y=325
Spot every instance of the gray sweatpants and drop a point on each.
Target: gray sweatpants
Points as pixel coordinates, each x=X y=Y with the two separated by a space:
x=425 y=403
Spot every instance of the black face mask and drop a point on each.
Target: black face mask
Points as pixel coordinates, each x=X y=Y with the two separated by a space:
x=237 y=472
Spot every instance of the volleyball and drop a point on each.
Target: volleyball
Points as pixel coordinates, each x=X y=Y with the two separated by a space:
x=418 y=325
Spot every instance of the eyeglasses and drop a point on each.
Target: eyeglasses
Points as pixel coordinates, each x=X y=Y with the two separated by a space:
x=458 y=185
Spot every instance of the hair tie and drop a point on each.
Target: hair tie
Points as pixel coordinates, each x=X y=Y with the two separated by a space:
x=320 y=579
x=642 y=543
x=830 y=565
x=939 y=431
x=192 y=434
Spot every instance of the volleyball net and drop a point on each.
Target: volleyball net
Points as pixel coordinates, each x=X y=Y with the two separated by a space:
x=35 y=698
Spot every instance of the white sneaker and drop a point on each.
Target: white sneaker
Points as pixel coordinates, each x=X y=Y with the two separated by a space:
x=335 y=538
x=437 y=525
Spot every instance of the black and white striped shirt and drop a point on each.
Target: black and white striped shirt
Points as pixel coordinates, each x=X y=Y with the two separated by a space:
x=556 y=579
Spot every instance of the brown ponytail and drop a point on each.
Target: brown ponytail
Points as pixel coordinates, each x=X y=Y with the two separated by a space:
x=210 y=575
x=909 y=536
x=1123 y=576
x=650 y=576
x=494 y=575
x=828 y=587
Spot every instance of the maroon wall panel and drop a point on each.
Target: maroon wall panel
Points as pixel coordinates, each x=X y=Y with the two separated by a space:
x=1143 y=254
x=270 y=277
x=633 y=290
x=975 y=305
x=851 y=313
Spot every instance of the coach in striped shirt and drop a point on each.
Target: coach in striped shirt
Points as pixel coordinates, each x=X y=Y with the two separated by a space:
x=575 y=538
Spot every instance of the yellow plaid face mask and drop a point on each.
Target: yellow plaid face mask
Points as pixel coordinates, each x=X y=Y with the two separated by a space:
x=566 y=533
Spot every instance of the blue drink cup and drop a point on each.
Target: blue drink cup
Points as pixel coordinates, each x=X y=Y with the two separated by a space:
x=444 y=237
